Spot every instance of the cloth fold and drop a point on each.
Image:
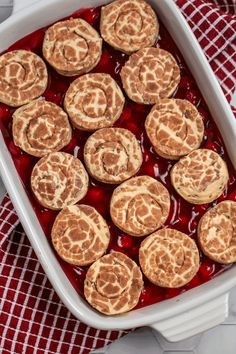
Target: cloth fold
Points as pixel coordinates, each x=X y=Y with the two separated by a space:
x=32 y=317
x=215 y=29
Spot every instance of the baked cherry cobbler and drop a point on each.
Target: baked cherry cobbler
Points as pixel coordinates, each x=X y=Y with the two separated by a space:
x=119 y=156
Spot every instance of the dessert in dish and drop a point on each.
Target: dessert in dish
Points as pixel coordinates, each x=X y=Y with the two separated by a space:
x=217 y=232
x=169 y=258
x=175 y=128
x=23 y=77
x=94 y=101
x=80 y=235
x=72 y=47
x=140 y=205
x=41 y=127
x=129 y=25
x=150 y=74
x=58 y=180
x=113 y=284
x=200 y=177
x=112 y=155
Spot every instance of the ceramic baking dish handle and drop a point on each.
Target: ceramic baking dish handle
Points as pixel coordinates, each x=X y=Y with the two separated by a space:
x=195 y=321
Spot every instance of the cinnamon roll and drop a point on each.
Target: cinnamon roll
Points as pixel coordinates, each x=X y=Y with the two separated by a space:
x=113 y=284
x=94 y=101
x=59 y=180
x=112 y=155
x=140 y=205
x=23 y=77
x=200 y=177
x=217 y=232
x=80 y=235
x=129 y=25
x=169 y=258
x=150 y=74
x=175 y=128
x=72 y=47
x=41 y=127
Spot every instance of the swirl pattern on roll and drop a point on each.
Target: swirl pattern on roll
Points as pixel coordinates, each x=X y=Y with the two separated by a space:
x=72 y=47
x=150 y=74
x=217 y=232
x=59 y=180
x=204 y=179
x=129 y=25
x=94 y=101
x=112 y=155
x=175 y=128
x=169 y=258
x=113 y=284
x=41 y=127
x=140 y=205
x=80 y=235
x=23 y=77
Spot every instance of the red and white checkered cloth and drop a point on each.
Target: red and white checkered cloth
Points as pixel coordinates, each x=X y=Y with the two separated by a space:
x=32 y=317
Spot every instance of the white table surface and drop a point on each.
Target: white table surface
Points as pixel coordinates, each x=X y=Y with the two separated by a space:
x=219 y=340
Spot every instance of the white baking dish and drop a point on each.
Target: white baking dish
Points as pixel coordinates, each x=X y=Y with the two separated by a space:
x=178 y=318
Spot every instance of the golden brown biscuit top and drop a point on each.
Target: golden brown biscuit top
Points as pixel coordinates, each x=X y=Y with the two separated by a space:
x=169 y=258
x=129 y=25
x=112 y=155
x=80 y=235
x=200 y=177
x=58 y=180
x=140 y=205
x=217 y=232
x=150 y=74
x=72 y=47
x=174 y=127
x=113 y=284
x=94 y=101
x=41 y=127
x=23 y=77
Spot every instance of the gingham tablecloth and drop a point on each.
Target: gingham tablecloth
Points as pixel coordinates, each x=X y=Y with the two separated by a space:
x=32 y=317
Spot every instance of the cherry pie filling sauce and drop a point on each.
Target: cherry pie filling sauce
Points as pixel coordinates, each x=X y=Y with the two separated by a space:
x=183 y=216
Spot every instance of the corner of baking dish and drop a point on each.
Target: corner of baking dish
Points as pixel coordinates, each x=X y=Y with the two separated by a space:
x=33 y=18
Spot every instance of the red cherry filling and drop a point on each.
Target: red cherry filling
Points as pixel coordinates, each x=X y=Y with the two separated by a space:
x=4 y=112
x=207 y=269
x=14 y=150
